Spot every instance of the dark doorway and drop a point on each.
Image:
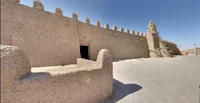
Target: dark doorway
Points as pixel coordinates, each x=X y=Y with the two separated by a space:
x=84 y=52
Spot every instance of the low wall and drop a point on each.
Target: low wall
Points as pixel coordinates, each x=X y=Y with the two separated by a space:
x=85 y=84
x=84 y=62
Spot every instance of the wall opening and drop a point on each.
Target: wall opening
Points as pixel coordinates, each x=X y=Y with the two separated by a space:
x=84 y=52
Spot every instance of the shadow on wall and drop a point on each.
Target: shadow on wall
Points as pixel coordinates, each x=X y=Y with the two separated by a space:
x=121 y=90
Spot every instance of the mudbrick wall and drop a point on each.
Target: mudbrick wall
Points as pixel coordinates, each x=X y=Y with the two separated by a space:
x=82 y=84
x=153 y=40
x=121 y=44
x=53 y=39
x=171 y=47
x=46 y=38
x=159 y=47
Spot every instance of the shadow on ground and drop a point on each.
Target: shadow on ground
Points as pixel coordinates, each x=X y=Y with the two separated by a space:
x=121 y=90
x=118 y=60
x=140 y=59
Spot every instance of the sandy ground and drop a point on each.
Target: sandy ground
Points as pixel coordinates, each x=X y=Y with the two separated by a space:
x=167 y=80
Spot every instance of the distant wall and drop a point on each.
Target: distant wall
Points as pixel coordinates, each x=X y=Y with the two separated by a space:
x=198 y=51
x=121 y=44
x=86 y=84
x=191 y=51
x=46 y=38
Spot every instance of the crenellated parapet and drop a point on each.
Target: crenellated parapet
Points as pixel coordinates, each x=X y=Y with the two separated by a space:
x=98 y=24
x=127 y=31
x=133 y=32
x=74 y=16
x=107 y=26
x=141 y=34
x=14 y=1
x=137 y=33
x=87 y=20
x=121 y=29
x=37 y=4
x=59 y=12
x=114 y=28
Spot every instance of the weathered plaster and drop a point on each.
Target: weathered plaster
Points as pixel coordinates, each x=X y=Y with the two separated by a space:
x=46 y=38
x=81 y=84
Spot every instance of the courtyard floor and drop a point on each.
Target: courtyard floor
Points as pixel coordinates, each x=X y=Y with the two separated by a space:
x=157 y=80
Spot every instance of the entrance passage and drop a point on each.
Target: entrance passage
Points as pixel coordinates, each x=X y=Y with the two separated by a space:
x=84 y=52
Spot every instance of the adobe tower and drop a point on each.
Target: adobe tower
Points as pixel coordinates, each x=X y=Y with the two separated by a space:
x=153 y=40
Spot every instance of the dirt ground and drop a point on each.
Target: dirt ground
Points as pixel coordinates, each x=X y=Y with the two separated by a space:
x=158 y=80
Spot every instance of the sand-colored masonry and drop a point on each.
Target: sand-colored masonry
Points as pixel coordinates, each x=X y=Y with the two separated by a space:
x=52 y=39
x=81 y=84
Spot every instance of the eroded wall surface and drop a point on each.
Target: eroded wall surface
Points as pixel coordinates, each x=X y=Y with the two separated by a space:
x=85 y=84
x=171 y=47
x=46 y=38
x=164 y=50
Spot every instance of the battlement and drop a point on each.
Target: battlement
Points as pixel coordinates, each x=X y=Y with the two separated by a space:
x=133 y=32
x=141 y=34
x=14 y=1
x=114 y=28
x=59 y=12
x=87 y=20
x=107 y=26
x=75 y=16
x=98 y=24
x=61 y=33
x=37 y=5
x=137 y=33
x=121 y=29
x=127 y=31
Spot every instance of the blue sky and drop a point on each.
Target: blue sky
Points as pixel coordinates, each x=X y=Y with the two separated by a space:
x=177 y=20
